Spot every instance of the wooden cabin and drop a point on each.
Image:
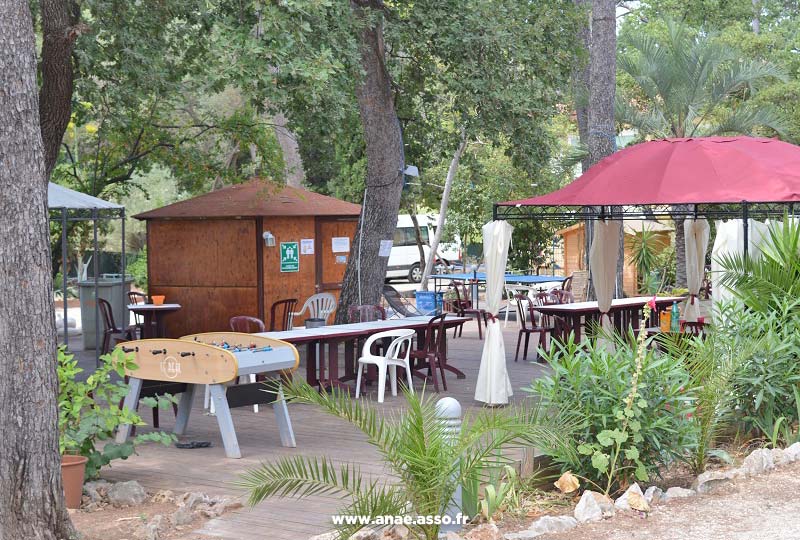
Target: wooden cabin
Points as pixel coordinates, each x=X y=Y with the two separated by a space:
x=237 y=250
x=574 y=249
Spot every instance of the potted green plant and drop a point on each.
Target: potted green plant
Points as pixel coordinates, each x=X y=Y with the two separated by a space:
x=89 y=413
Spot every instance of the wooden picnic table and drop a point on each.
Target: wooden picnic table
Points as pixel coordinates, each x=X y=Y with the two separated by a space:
x=350 y=334
x=624 y=312
x=153 y=317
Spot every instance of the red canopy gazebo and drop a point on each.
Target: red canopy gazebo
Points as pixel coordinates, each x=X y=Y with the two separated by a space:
x=711 y=177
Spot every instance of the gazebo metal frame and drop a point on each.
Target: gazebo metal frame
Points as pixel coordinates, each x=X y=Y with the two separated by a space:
x=95 y=212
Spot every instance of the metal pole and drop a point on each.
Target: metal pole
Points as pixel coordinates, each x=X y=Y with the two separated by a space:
x=64 y=272
x=124 y=311
x=746 y=227
x=96 y=267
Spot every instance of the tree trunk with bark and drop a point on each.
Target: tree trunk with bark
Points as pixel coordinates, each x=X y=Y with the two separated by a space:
x=448 y=186
x=60 y=29
x=30 y=469
x=602 y=88
x=366 y=270
x=580 y=81
x=680 y=251
x=292 y=162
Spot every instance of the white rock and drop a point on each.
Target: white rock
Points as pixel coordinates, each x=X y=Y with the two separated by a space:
x=793 y=452
x=622 y=502
x=593 y=506
x=679 y=493
x=152 y=530
x=450 y=535
x=487 y=531
x=126 y=494
x=653 y=495
x=182 y=516
x=544 y=525
x=711 y=480
x=779 y=457
x=758 y=462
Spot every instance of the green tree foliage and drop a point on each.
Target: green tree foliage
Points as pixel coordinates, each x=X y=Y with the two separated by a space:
x=683 y=83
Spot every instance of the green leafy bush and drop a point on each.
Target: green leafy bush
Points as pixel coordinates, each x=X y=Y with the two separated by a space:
x=766 y=382
x=644 y=419
x=89 y=411
x=137 y=268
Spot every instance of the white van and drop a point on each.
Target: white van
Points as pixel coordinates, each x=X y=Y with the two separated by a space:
x=404 y=258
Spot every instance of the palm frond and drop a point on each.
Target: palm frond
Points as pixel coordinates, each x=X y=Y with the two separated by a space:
x=299 y=477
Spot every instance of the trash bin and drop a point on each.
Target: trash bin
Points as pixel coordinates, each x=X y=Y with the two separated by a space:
x=429 y=303
x=110 y=287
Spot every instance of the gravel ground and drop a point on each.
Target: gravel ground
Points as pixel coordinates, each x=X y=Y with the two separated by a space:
x=766 y=507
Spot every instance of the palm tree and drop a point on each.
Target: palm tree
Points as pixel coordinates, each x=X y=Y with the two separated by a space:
x=425 y=462
x=689 y=84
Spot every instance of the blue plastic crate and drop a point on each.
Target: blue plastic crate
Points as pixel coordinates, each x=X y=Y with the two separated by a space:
x=429 y=302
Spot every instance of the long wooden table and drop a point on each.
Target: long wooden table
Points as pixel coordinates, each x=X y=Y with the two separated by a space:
x=350 y=334
x=624 y=312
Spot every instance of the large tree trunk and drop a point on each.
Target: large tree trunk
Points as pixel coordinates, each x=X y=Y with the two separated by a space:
x=602 y=87
x=366 y=270
x=580 y=81
x=60 y=29
x=680 y=250
x=448 y=186
x=30 y=472
x=292 y=162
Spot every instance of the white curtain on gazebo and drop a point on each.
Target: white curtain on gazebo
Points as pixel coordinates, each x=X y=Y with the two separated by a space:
x=603 y=256
x=493 y=386
x=728 y=241
x=696 y=233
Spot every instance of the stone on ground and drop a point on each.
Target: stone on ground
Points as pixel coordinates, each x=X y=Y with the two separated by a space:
x=793 y=452
x=126 y=494
x=486 y=531
x=152 y=529
x=712 y=480
x=395 y=532
x=632 y=499
x=653 y=495
x=758 y=462
x=544 y=525
x=679 y=493
x=97 y=491
x=593 y=506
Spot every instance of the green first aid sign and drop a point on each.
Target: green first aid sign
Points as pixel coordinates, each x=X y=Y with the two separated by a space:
x=290 y=257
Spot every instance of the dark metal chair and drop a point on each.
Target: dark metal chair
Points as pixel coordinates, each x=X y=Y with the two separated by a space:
x=464 y=308
x=110 y=329
x=398 y=303
x=280 y=314
x=432 y=352
x=246 y=324
x=525 y=304
x=138 y=319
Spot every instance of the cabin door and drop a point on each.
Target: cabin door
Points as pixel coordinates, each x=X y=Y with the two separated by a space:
x=334 y=238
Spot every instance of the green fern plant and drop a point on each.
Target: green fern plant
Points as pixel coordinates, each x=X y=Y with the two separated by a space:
x=426 y=464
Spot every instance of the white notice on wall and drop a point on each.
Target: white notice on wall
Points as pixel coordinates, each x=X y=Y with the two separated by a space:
x=340 y=244
x=306 y=246
x=386 y=248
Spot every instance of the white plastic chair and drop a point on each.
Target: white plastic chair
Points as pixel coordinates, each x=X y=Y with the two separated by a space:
x=397 y=354
x=319 y=306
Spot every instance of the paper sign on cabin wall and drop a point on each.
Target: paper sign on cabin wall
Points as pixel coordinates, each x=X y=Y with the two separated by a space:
x=340 y=244
x=386 y=248
x=307 y=246
x=290 y=257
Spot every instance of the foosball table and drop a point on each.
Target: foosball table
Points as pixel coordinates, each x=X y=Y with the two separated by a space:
x=215 y=359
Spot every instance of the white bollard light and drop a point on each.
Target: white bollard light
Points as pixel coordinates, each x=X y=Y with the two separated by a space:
x=449 y=411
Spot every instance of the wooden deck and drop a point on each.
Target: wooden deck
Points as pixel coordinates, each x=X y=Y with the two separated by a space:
x=317 y=434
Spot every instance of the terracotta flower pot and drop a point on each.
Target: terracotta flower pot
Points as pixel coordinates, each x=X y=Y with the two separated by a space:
x=158 y=299
x=73 y=469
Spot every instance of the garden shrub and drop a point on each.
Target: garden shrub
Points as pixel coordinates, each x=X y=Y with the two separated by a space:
x=596 y=384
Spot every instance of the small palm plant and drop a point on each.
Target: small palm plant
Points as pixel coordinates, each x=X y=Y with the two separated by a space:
x=763 y=280
x=427 y=461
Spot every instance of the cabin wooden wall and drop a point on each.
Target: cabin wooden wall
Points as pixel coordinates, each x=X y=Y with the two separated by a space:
x=206 y=266
x=211 y=267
